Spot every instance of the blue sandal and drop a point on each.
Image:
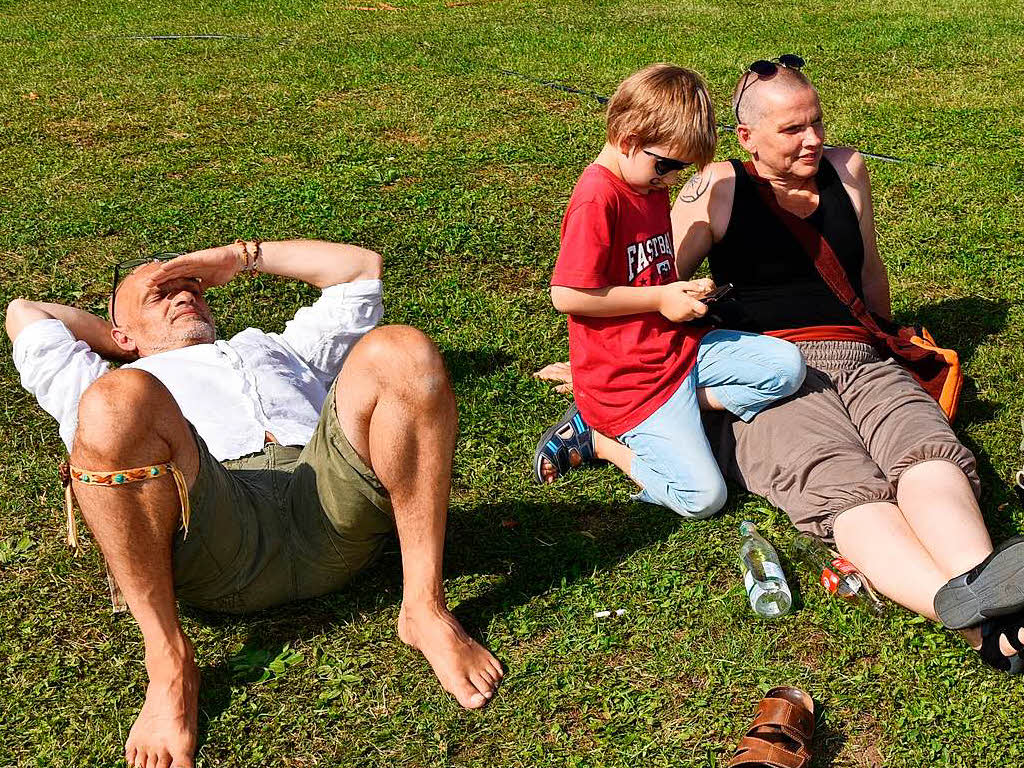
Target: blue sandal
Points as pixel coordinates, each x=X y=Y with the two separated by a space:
x=994 y=587
x=567 y=445
x=991 y=654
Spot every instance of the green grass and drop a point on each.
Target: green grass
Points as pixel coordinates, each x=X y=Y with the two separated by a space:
x=393 y=129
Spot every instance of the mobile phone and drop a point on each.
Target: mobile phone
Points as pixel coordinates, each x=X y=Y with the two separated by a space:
x=719 y=293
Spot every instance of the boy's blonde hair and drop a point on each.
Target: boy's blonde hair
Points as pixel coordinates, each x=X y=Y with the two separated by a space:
x=668 y=105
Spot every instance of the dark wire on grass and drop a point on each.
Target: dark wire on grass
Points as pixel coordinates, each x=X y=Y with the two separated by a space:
x=721 y=126
x=183 y=37
x=557 y=86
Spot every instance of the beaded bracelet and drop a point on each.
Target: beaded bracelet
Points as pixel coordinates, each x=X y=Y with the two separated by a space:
x=257 y=252
x=243 y=257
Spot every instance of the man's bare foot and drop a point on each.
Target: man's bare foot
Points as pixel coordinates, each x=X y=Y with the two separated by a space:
x=465 y=668
x=164 y=733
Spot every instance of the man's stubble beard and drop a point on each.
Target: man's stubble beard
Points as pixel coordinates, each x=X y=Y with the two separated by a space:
x=198 y=331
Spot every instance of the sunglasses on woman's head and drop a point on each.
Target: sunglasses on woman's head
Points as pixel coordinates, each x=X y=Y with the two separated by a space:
x=663 y=166
x=126 y=268
x=765 y=69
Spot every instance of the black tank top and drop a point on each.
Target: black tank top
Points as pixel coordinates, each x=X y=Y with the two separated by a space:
x=775 y=280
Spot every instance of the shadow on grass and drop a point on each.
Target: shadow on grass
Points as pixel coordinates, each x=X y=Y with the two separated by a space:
x=828 y=742
x=515 y=550
x=464 y=365
x=963 y=324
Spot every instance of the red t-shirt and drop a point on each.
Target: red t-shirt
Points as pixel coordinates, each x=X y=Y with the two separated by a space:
x=623 y=368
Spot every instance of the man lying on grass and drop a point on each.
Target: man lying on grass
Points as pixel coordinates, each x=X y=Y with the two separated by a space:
x=238 y=475
x=861 y=455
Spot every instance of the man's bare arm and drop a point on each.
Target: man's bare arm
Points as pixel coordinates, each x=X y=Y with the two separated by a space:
x=316 y=262
x=84 y=326
x=700 y=215
x=853 y=172
x=320 y=263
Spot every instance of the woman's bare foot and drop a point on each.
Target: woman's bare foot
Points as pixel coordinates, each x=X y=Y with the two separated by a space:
x=164 y=733
x=465 y=668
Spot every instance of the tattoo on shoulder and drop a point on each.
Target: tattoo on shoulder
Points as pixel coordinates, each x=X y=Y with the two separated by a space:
x=696 y=186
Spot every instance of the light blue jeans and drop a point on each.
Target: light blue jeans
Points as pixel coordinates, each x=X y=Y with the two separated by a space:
x=672 y=459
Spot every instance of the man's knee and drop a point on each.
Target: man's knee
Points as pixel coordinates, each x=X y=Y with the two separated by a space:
x=116 y=408
x=404 y=356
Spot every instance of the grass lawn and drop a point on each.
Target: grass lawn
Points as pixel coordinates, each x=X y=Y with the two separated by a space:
x=389 y=125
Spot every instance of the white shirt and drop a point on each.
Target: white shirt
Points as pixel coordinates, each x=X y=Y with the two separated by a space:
x=233 y=392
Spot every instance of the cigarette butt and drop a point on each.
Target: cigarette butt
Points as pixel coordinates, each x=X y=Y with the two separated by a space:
x=607 y=614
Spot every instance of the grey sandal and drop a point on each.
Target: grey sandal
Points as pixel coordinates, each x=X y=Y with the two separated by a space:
x=992 y=588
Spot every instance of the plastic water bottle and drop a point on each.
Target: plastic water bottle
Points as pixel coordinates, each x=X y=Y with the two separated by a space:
x=837 y=574
x=762 y=575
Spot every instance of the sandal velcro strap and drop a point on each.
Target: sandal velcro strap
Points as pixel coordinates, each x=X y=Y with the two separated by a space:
x=991 y=653
x=795 y=721
x=754 y=752
x=567 y=445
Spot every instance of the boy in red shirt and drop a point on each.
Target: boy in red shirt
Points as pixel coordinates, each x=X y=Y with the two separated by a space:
x=641 y=369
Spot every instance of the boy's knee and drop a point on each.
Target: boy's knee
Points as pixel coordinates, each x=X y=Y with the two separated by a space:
x=790 y=370
x=701 y=503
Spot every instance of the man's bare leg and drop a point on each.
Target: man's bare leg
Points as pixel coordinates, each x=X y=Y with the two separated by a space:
x=128 y=419
x=397 y=409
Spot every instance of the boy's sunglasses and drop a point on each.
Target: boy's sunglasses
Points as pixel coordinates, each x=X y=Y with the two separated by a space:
x=663 y=166
x=765 y=69
x=126 y=268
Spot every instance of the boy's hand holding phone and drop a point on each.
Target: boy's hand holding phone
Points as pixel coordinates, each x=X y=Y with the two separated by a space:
x=678 y=304
x=700 y=287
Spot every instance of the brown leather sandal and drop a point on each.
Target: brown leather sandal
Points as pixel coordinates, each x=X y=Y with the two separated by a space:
x=780 y=736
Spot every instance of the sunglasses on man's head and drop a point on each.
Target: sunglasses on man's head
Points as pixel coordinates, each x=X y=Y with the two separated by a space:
x=765 y=69
x=125 y=268
x=663 y=166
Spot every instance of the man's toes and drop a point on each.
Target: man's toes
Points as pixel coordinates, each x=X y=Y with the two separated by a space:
x=129 y=755
x=473 y=699
x=483 y=684
x=498 y=671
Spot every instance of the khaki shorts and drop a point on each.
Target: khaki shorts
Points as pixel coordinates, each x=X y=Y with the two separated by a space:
x=857 y=423
x=285 y=524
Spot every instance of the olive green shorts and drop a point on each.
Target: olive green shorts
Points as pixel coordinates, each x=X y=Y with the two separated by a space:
x=281 y=525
